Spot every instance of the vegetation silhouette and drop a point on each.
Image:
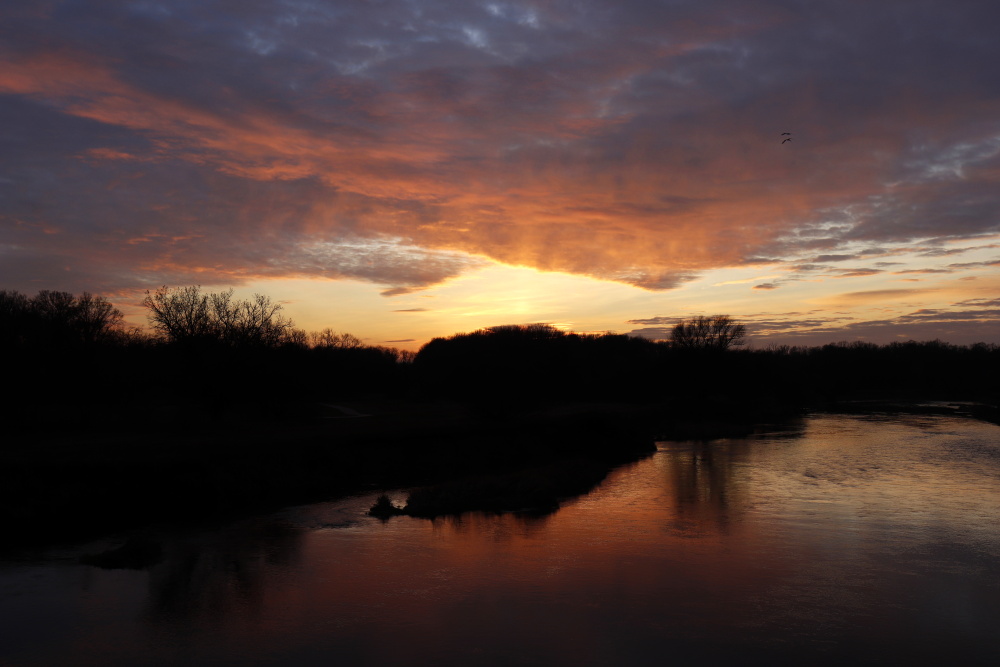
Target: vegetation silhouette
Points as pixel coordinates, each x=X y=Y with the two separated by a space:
x=517 y=367
x=185 y=315
x=223 y=406
x=384 y=508
x=718 y=332
x=534 y=491
x=58 y=320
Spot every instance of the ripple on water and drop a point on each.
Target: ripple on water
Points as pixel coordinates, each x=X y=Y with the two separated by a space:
x=852 y=540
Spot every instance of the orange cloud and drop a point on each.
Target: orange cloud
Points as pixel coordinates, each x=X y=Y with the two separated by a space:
x=643 y=151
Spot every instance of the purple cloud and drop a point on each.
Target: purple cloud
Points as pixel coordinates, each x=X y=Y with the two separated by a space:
x=629 y=141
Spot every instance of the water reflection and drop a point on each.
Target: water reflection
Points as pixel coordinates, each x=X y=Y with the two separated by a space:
x=852 y=541
x=207 y=578
x=702 y=476
x=493 y=527
x=708 y=478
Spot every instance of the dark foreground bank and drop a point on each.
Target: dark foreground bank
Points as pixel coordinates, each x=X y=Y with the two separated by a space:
x=64 y=487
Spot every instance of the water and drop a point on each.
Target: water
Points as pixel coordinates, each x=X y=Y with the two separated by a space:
x=847 y=539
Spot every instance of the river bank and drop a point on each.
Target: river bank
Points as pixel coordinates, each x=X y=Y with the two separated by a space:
x=58 y=487
x=67 y=486
x=850 y=539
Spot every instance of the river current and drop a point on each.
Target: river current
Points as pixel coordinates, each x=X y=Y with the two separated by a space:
x=839 y=539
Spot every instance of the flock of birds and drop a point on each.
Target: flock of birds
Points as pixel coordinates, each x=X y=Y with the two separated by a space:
x=789 y=134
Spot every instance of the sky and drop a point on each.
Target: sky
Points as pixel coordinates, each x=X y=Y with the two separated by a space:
x=404 y=169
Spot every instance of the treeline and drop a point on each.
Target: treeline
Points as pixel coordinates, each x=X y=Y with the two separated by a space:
x=209 y=357
x=508 y=366
x=59 y=320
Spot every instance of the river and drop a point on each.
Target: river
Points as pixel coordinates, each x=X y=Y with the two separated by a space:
x=839 y=539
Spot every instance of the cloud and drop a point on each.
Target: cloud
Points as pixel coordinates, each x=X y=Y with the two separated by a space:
x=857 y=273
x=963 y=322
x=767 y=286
x=979 y=303
x=391 y=261
x=652 y=333
x=410 y=310
x=974 y=265
x=834 y=258
x=628 y=141
x=948 y=252
x=657 y=320
x=959 y=327
x=878 y=296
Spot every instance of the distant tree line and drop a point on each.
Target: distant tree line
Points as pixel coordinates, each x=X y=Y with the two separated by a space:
x=59 y=319
x=73 y=362
x=703 y=370
x=206 y=356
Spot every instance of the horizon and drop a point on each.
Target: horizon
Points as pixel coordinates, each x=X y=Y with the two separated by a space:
x=406 y=171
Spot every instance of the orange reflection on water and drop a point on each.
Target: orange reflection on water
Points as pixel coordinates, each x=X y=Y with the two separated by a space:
x=846 y=538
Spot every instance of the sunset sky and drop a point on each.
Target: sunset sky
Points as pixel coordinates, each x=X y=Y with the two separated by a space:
x=404 y=169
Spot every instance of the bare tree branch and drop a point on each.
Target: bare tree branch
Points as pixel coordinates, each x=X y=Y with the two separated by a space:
x=717 y=332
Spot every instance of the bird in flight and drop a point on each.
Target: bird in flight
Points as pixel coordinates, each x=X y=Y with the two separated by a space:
x=788 y=134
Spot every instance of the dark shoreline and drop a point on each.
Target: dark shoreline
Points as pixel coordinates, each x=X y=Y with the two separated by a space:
x=66 y=487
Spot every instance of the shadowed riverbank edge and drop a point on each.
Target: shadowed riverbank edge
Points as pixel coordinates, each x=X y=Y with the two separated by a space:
x=60 y=488
x=66 y=488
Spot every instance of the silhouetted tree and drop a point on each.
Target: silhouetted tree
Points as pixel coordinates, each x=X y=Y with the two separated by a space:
x=186 y=315
x=296 y=338
x=513 y=367
x=181 y=314
x=15 y=317
x=524 y=332
x=717 y=332
x=330 y=338
x=57 y=319
x=93 y=318
x=249 y=323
